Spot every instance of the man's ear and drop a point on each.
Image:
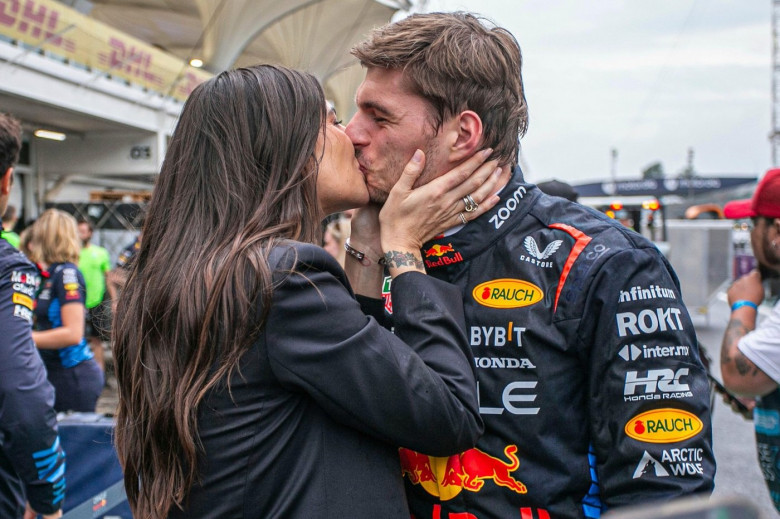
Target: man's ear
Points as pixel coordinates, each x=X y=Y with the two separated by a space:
x=7 y=181
x=467 y=128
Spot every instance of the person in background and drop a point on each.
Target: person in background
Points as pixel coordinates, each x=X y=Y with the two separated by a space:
x=10 y=218
x=750 y=352
x=559 y=301
x=94 y=264
x=32 y=462
x=335 y=236
x=251 y=382
x=60 y=315
x=117 y=277
x=559 y=188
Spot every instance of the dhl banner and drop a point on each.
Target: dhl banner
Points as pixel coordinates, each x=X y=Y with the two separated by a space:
x=56 y=28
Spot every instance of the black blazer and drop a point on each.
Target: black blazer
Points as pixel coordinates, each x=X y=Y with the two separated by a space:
x=322 y=401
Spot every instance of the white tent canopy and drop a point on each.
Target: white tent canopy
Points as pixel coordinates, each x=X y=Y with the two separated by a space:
x=312 y=35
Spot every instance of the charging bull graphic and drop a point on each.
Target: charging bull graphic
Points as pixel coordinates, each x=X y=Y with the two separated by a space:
x=446 y=477
x=439 y=250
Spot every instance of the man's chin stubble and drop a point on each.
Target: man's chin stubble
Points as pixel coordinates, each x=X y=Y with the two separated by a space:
x=376 y=196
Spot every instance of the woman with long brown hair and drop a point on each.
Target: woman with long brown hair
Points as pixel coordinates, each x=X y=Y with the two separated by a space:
x=251 y=383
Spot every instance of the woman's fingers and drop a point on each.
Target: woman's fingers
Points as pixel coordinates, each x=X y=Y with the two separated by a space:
x=486 y=205
x=487 y=187
x=471 y=183
x=464 y=173
x=411 y=172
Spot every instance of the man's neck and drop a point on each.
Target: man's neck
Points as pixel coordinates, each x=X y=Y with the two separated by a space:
x=503 y=180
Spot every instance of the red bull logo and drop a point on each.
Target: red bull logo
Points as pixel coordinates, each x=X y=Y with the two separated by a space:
x=445 y=478
x=439 y=250
x=507 y=293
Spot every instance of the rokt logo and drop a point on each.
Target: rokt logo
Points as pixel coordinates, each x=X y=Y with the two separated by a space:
x=649 y=321
x=445 y=478
x=667 y=425
x=507 y=293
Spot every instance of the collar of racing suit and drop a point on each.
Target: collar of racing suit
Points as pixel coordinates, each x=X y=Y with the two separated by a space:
x=474 y=238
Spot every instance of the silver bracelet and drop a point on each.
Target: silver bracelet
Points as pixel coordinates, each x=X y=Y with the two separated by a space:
x=360 y=256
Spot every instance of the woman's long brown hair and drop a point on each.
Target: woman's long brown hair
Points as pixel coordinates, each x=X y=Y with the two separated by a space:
x=238 y=177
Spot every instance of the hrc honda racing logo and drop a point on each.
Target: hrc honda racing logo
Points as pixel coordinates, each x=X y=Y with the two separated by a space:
x=445 y=478
x=667 y=425
x=507 y=293
x=657 y=384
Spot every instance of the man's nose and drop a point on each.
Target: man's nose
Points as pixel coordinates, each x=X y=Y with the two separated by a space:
x=355 y=131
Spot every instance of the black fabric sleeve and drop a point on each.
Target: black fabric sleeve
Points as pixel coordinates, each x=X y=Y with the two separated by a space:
x=28 y=431
x=420 y=395
x=649 y=393
x=376 y=309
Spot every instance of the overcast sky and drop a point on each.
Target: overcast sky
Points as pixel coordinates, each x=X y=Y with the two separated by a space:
x=648 y=78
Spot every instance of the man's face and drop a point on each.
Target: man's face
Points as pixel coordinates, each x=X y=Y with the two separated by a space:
x=85 y=234
x=762 y=236
x=390 y=124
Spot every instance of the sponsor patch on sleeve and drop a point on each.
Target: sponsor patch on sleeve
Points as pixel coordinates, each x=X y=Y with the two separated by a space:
x=24 y=285
x=666 y=425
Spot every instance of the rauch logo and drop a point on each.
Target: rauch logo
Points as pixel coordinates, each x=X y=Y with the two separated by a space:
x=667 y=425
x=507 y=293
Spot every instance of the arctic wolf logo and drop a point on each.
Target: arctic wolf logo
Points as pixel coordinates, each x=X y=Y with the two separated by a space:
x=533 y=248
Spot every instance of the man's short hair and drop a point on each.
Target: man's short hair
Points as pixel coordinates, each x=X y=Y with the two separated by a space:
x=87 y=221
x=457 y=62
x=10 y=141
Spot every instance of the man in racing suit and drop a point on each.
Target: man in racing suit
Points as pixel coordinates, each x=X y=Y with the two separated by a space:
x=32 y=463
x=589 y=378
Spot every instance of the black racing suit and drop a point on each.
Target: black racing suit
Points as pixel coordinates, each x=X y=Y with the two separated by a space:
x=32 y=463
x=590 y=382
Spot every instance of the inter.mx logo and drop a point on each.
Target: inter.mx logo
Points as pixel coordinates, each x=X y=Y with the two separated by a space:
x=631 y=352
